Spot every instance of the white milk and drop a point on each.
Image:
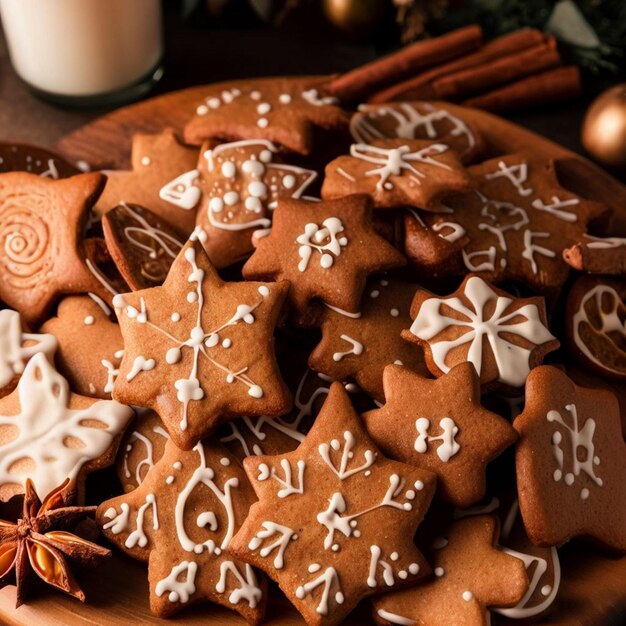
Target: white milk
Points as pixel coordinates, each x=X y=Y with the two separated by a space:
x=82 y=47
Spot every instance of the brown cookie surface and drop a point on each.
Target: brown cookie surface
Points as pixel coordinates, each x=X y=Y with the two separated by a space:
x=163 y=179
x=41 y=248
x=417 y=120
x=358 y=347
x=241 y=182
x=598 y=255
x=316 y=527
x=181 y=520
x=199 y=350
x=397 y=173
x=503 y=336
x=440 y=426
x=471 y=575
x=324 y=249
x=90 y=344
x=284 y=111
x=142 y=245
x=570 y=462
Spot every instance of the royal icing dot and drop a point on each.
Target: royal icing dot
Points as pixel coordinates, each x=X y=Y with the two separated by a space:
x=394 y=312
x=257 y=189
x=253 y=204
x=439 y=572
x=264 y=291
x=225 y=462
x=229 y=169
x=284 y=98
x=264 y=108
x=265 y=156
x=262 y=122
x=255 y=95
x=214 y=103
x=146 y=160
x=231 y=198
x=216 y=205
x=202 y=109
x=546 y=590
x=289 y=181
x=175 y=317
x=227 y=343
x=89 y=320
x=467 y=596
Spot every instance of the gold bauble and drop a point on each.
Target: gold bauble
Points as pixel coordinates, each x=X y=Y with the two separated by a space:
x=356 y=18
x=604 y=128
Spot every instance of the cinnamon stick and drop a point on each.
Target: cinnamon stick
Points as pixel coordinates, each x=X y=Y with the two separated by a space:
x=506 y=69
x=419 y=87
x=356 y=84
x=562 y=83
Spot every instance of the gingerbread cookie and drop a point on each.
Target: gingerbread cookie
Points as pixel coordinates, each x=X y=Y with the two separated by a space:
x=471 y=575
x=595 y=321
x=50 y=434
x=90 y=344
x=570 y=462
x=357 y=346
x=325 y=249
x=181 y=520
x=316 y=527
x=142 y=245
x=35 y=160
x=198 y=350
x=397 y=173
x=163 y=179
x=241 y=182
x=100 y=264
x=517 y=222
x=504 y=337
x=598 y=255
x=439 y=425
x=417 y=120
x=17 y=347
x=284 y=111
x=141 y=448
x=41 y=251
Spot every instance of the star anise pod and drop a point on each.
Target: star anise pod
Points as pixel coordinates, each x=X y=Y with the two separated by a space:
x=39 y=542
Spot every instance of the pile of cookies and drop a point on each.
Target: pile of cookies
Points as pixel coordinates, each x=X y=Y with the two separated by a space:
x=312 y=344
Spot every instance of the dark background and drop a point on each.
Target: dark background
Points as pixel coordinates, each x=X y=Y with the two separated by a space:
x=200 y=50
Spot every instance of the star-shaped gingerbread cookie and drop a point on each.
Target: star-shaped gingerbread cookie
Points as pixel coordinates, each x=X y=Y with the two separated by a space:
x=41 y=247
x=397 y=173
x=517 y=222
x=471 y=575
x=439 y=425
x=570 y=462
x=316 y=529
x=200 y=351
x=358 y=346
x=181 y=520
x=283 y=110
x=324 y=249
x=241 y=182
x=163 y=178
x=504 y=337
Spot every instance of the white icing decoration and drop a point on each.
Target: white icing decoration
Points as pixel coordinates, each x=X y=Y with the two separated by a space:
x=324 y=240
x=556 y=206
x=605 y=243
x=356 y=349
x=516 y=174
x=44 y=423
x=580 y=439
x=288 y=486
x=394 y=618
x=248 y=588
x=118 y=522
x=328 y=579
x=408 y=120
x=147 y=461
x=448 y=446
x=312 y=96
x=140 y=364
x=346 y=456
x=284 y=536
x=467 y=596
x=513 y=362
x=205 y=475
x=354 y=316
x=97 y=274
x=178 y=591
x=183 y=191
x=456 y=231
x=138 y=536
x=530 y=249
x=13 y=353
x=387 y=568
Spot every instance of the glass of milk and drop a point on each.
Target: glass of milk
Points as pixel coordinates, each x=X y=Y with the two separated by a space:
x=85 y=52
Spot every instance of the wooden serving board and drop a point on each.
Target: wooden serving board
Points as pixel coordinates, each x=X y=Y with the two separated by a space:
x=593 y=589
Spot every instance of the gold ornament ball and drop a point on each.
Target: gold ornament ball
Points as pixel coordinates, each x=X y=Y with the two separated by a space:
x=356 y=18
x=604 y=128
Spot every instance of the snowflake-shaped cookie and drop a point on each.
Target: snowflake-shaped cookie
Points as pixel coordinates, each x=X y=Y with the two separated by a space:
x=181 y=520
x=504 y=337
x=200 y=351
x=316 y=529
